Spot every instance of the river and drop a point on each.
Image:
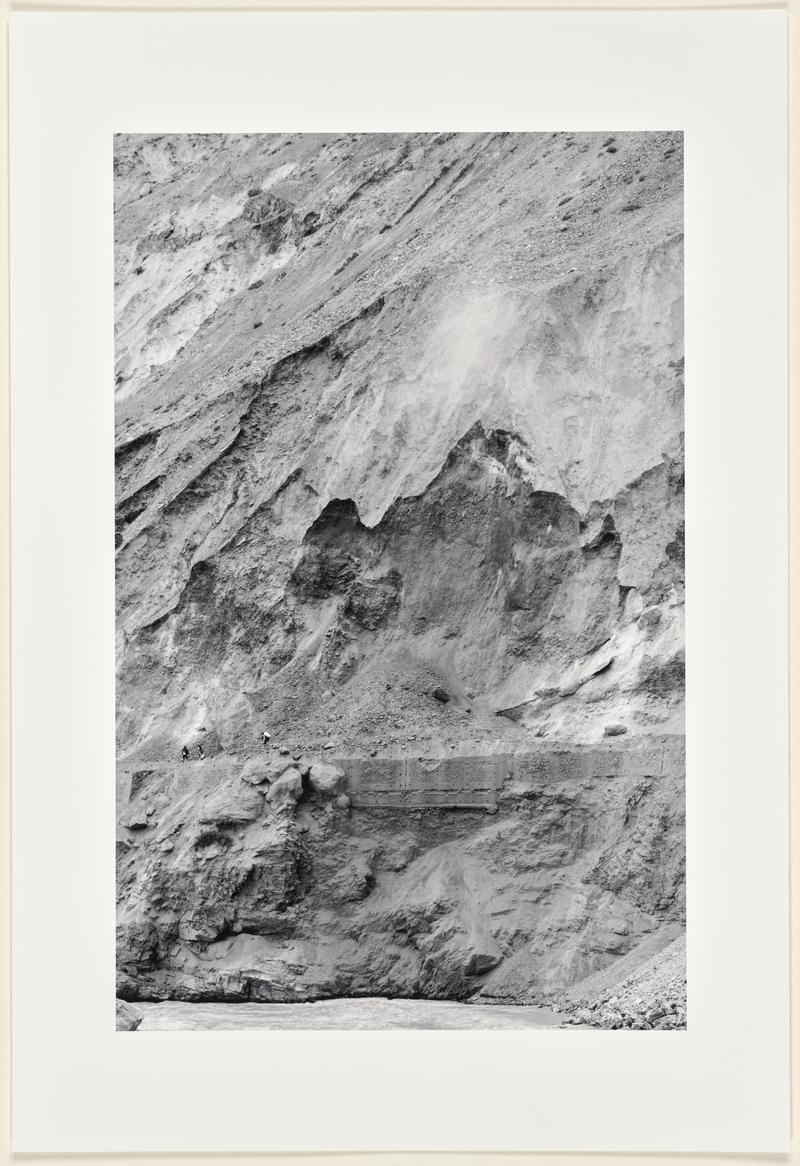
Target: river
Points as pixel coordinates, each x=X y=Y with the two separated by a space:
x=358 y=1012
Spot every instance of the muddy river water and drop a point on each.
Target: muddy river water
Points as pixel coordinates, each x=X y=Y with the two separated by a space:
x=363 y=1013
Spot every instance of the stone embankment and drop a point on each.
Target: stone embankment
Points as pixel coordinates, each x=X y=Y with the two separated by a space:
x=484 y=781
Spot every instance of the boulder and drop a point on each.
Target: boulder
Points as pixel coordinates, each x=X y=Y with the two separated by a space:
x=255 y=771
x=343 y=802
x=326 y=778
x=615 y=730
x=441 y=694
x=287 y=790
x=128 y=1017
x=138 y=820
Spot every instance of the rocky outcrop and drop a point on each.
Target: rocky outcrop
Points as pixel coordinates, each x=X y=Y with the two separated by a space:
x=315 y=887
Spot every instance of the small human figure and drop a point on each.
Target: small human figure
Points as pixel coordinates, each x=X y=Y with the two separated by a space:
x=184 y=754
x=200 y=752
x=265 y=737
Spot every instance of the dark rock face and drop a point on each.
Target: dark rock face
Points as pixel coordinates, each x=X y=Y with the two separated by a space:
x=403 y=480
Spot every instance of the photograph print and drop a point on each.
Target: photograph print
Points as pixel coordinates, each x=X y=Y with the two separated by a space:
x=400 y=581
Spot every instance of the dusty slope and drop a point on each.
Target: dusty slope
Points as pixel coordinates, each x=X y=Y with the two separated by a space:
x=345 y=334
x=395 y=414
x=647 y=991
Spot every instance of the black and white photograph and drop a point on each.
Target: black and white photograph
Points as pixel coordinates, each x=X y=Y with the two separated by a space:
x=400 y=647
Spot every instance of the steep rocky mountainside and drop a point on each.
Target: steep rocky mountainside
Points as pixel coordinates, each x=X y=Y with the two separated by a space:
x=399 y=464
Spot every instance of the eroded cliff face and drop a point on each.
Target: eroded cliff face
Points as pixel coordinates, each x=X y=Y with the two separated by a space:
x=506 y=876
x=400 y=471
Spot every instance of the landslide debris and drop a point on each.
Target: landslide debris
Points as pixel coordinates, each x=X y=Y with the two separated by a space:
x=652 y=996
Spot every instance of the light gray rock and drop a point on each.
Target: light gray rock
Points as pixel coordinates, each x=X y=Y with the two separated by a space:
x=287 y=790
x=327 y=779
x=279 y=765
x=128 y=1017
x=255 y=771
x=231 y=802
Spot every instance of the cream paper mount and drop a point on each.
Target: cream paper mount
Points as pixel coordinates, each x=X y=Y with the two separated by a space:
x=78 y=79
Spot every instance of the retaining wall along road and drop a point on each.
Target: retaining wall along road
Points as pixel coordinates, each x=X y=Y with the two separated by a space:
x=479 y=781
